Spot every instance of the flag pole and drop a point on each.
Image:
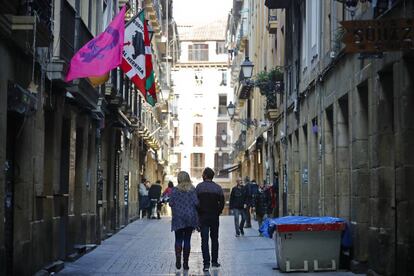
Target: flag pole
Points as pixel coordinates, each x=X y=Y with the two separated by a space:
x=133 y=18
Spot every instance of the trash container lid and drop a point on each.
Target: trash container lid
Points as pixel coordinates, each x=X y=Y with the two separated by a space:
x=308 y=224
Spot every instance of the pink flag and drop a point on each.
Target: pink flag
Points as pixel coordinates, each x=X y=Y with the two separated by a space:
x=102 y=53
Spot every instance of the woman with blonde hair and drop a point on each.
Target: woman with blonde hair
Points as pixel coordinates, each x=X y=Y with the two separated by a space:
x=183 y=202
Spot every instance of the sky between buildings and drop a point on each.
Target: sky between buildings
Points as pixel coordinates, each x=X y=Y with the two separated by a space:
x=195 y=12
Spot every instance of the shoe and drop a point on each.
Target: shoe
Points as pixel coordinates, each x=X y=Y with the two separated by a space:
x=206 y=268
x=237 y=235
x=242 y=231
x=215 y=264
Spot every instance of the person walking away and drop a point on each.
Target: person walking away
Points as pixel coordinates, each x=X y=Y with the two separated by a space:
x=154 y=194
x=251 y=190
x=143 y=197
x=211 y=198
x=238 y=206
x=262 y=204
x=183 y=202
x=167 y=192
x=148 y=210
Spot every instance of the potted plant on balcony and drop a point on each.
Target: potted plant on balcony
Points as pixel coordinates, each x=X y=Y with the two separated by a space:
x=266 y=80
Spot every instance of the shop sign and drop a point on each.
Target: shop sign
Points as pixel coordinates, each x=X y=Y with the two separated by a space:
x=126 y=189
x=372 y=36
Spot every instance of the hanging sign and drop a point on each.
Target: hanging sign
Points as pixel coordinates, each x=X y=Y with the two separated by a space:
x=373 y=36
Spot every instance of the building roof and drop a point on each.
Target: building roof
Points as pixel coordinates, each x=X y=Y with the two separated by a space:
x=213 y=31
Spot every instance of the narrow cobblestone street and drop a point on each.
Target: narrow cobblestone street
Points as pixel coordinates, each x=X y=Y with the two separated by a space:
x=145 y=247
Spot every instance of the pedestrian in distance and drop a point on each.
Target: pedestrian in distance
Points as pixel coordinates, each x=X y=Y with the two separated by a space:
x=262 y=204
x=165 y=197
x=148 y=209
x=154 y=194
x=211 y=198
x=238 y=206
x=275 y=194
x=251 y=190
x=144 y=202
x=183 y=202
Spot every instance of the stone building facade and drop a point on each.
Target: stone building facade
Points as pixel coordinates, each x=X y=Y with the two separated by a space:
x=72 y=155
x=201 y=94
x=340 y=136
x=344 y=137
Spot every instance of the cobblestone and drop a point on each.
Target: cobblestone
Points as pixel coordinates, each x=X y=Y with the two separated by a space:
x=145 y=247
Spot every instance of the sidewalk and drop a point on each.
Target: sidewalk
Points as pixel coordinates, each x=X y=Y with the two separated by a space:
x=146 y=247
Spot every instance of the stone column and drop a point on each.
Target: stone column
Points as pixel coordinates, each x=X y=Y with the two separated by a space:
x=342 y=178
x=360 y=172
x=404 y=137
x=329 y=191
x=304 y=171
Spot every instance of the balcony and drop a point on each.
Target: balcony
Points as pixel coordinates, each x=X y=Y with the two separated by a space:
x=243 y=90
x=67 y=32
x=19 y=24
x=197 y=141
x=277 y=4
x=196 y=172
x=272 y=23
x=239 y=145
x=82 y=91
x=153 y=10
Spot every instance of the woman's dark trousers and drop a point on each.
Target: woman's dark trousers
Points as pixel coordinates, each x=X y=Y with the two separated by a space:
x=183 y=243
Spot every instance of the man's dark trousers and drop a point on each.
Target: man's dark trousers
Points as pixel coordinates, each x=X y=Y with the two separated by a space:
x=210 y=228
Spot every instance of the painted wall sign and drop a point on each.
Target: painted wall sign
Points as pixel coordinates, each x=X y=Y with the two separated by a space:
x=370 y=36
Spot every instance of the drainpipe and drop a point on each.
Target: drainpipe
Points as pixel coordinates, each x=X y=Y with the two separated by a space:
x=77 y=25
x=285 y=146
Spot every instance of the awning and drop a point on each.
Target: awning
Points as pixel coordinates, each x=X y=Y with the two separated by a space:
x=229 y=169
x=277 y=4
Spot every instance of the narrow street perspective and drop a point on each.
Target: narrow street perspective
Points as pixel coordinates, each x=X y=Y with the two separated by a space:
x=144 y=248
x=221 y=137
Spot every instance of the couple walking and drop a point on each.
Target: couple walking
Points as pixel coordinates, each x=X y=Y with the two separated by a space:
x=196 y=208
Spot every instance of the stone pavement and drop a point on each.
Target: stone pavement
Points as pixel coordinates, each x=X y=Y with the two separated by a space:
x=146 y=247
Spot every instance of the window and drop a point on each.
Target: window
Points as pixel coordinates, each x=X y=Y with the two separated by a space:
x=221 y=128
x=220 y=47
x=222 y=106
x=198 y=135
x=176 y=136
x=221 y=160
x=178 y=162
x=197 y=164
x=223 y=78
x=198 y=52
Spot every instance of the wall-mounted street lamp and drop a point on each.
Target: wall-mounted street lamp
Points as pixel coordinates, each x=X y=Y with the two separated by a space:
x=223 y=136
x=247 y=68
x=231 y=109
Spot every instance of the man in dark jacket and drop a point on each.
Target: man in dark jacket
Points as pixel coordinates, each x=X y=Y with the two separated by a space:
x=251 y=190
x=154 y=194
x=238 y=206
x=211 y=204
